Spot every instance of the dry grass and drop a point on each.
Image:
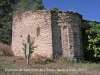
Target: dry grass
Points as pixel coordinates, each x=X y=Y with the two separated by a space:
x=40 y=59
x=51 y=68
x=43 y=66
x=5 y=50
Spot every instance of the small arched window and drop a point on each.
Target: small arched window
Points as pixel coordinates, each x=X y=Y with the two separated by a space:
x=38 y=31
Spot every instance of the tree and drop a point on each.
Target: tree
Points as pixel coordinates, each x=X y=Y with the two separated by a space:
x=54 y=9
x=5 y=20
x=30 y=5
x=94 y=38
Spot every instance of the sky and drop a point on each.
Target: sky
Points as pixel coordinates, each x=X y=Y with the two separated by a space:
x=89 y=9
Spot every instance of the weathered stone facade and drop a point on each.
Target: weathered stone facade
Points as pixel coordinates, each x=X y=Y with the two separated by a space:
x=55 y=33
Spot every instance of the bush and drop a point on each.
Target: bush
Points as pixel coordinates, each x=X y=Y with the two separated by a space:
x=5 y=50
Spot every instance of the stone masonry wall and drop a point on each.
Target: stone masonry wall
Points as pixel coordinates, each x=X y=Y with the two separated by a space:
x=67 y=29
x=37 y=24
x=55 y=33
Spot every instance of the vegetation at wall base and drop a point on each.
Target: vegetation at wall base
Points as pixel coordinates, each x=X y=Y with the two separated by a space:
x=5 y=50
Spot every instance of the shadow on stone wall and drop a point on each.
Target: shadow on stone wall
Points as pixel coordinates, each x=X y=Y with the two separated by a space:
x=56 y=35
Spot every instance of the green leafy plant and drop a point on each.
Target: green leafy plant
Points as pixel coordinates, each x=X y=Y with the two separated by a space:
x=94 y=38
x=31 y=47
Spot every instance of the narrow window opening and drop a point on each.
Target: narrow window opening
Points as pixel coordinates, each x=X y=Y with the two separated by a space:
x=1 y=25
x=59 y=37
x=38 y=31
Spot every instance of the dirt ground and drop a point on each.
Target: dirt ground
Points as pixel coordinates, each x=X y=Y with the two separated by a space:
x=18 y=66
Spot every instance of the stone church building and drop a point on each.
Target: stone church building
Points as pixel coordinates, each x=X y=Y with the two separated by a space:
x=54 y=33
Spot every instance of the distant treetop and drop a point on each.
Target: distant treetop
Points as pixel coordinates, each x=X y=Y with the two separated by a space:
x=55 y=9
x=30 y=5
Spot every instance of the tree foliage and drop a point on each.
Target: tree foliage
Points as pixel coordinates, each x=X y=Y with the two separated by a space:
x=54 y=9
x=5 y=20
x=6 y=9
x=30 y=5
x=94 y=38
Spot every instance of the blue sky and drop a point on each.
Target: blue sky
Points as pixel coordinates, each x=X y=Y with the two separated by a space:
x=90 y=9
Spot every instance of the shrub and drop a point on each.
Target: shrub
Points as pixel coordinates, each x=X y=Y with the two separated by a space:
x=5 y=50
